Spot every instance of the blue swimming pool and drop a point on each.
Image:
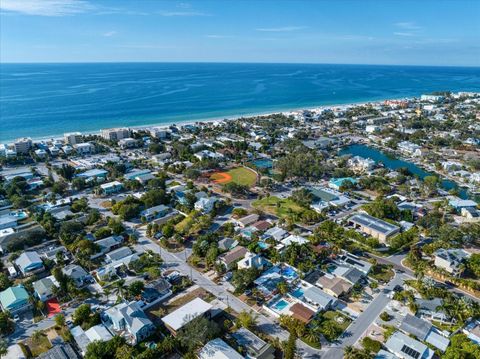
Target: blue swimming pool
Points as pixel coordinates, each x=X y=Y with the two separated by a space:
x=297 y=293
x=280 y=305
x=263 y=245
x=289 y=272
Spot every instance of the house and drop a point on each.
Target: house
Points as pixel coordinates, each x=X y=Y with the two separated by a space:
x=353 y=261
x=326 y=197
x=218 y=349
x=458 y=203
x=96 y=333
x=293 y=238
x=275 y=233
x=52 y=255
x=360 y=164
x=156 y=291
x=205 y=205
x=118 y=254
x=85 y=148
x=247 y=220
x=108 y=244
x=15 y=299
x=262 y=225
x=231 y=257
x=130 y=320
x=451 y=260
x=424 y=331
x=133 y=174
x=111 y=187
x=8 y=222
x=155 y=212
x=318 y=298
x=93 y=174
x=375 y=227
x=127 y=143
x=252 y=260
x=333 y=285
x=351 y=275
x=60 y=351
x=302 y=313
x=43 y=288
x=76 y=273
x=472 y=331
x=29 y=263
x=405 y=347
x=255 y=347
x=431 y=309
x=471 y=214
x=176 y=320
x=227 y=243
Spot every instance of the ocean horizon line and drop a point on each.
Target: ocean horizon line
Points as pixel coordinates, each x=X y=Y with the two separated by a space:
x=233 y=63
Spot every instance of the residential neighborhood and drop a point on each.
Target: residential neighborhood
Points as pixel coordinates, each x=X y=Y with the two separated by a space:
x=347 y=231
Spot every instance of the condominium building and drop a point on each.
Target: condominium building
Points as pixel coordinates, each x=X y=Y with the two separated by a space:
x=23 y=145
x=115 y=134
x=73 y=138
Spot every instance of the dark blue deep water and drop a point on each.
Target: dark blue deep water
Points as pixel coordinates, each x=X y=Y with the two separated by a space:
x=40 y=100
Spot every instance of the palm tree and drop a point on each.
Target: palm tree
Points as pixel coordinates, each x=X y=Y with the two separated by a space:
x=168 y=344
x=246 y=319
x=311 y=335
x=120 y=287
x=37 y=336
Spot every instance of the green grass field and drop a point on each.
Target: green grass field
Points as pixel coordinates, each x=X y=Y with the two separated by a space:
x=278 y=206
x=240 y=175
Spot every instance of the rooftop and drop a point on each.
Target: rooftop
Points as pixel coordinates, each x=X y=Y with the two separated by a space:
x=183 y=315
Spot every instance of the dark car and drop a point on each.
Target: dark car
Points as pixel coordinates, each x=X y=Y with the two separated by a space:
x=397 y=288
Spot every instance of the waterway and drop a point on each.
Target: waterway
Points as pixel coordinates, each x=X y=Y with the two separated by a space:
x=395 y=163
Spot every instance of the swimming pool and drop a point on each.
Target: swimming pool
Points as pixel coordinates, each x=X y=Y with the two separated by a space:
x=263 y=245
x=280 y=305
x=297 y=293
x=289 y=272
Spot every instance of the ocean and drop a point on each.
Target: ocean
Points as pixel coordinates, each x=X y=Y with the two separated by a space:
x=40 y=100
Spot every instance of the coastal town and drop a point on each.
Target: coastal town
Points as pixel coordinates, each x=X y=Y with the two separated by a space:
x=349 y=231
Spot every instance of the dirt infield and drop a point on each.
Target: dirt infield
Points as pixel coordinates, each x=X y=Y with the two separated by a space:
x=221 y=177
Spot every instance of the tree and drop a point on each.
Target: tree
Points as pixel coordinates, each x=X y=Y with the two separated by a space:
x=196 y=333
x=6 y=323
x=290 y=347
x=135 y=288
x=302 y=197
x=60 y=320
x=246 y=319
x=5 y=282
x=82 y=314
x=3 y=347
x=120 y=287
x=104 y=350
x=37 y=336
x=371 y=345
x=282 y=287
x=124 y=352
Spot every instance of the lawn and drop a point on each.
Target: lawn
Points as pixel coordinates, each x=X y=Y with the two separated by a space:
x=39 y=345
x=184 y=225
x=382 y=273
x=239 y=175
x=333 y=324
x=278 y=206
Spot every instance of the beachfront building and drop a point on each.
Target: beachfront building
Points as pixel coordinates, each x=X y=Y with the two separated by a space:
x=23 y=145
x=85 y=148
x=73 y=138
x=375 y=227
x=127 y=143
x=115 y=134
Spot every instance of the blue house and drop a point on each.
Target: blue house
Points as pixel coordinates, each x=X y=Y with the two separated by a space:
x=29 y=262
x=15 y=299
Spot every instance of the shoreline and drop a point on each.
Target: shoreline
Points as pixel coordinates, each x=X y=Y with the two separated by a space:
x=166 y=125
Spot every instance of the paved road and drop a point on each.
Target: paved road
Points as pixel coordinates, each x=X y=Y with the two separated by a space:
x=397 y=261
x=178 y=261
x=358 y=327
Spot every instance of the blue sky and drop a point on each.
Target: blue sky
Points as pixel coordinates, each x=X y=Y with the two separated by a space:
x=420 y=32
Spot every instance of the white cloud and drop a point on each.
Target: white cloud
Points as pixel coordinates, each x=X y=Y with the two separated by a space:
x=407 y=25
x=109 y=33
x=182 y=13
x=281 y=29
x=46 y=7
x=407 y=34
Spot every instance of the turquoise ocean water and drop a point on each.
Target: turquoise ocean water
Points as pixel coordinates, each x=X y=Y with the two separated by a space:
x=40 y=100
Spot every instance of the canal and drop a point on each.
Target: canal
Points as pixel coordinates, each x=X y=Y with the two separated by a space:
x=394 y=164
